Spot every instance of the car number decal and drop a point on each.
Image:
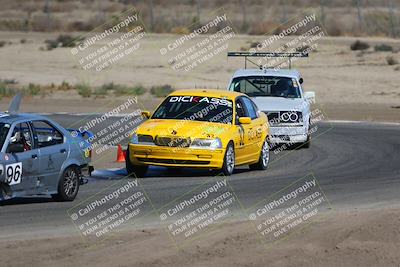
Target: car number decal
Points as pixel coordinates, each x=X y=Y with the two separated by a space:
x=13 y=173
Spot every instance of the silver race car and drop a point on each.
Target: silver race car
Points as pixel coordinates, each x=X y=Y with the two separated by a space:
x=38 y=156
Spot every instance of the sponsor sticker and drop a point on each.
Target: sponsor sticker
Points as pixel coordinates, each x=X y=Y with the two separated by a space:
x=201 y=99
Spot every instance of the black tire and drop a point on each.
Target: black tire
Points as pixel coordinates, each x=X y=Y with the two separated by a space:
x=264 y=157
x=137 y=171
x=68 y=185
x=229 y=160
x=307 y=143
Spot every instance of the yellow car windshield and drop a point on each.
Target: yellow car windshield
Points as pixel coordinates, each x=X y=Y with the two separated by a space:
x=197 y=108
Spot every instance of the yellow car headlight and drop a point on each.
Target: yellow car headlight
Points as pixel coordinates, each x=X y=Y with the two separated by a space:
x=141 y=139
x=206 y=143
x=134 y=139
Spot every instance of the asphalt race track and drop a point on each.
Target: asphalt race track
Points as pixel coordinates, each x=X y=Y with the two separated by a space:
x=356 y=165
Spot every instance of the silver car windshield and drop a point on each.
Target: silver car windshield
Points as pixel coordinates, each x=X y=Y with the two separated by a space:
x=4 y=128
x=266 y=86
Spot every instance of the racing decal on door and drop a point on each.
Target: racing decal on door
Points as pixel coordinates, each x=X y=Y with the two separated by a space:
x=13 y=173
x=255 y=134
x=241 y=135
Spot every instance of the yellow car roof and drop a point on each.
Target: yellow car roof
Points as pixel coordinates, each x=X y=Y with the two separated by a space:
x=208 y=92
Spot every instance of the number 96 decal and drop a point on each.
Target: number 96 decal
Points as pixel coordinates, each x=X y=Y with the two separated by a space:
x=14 y=173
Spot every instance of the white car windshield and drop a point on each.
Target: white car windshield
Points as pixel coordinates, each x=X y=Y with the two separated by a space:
x=266 y=86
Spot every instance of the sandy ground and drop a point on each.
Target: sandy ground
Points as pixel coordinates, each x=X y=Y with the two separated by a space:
x=366 y=237
x=349 y=85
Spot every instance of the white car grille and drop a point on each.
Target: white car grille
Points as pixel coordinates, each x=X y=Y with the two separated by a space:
x=279 y=118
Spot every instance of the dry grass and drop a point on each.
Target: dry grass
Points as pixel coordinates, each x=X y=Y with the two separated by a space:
x=175 y=16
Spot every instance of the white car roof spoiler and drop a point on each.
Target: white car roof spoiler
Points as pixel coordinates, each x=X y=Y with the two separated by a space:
x=266 y=54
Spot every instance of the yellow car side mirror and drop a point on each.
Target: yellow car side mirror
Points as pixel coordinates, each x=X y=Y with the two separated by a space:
x=245 y=120
x=146 y=114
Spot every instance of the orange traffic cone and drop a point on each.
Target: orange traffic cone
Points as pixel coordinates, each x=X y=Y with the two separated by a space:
x=120 y=154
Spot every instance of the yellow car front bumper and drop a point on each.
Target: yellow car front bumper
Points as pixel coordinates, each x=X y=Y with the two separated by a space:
x=176 y=157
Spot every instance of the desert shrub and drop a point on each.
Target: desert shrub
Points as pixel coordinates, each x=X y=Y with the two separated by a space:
x=63 y=40
x=78 y=26
x=125 y=90
x=254 y=44
x=83 y=89
x=161 y=91
x=64 y=86
x=22 y=41
x=302 y=48
x=2 y=43
x=391 y=60
x=100 y=91
x=383 y=48
x=51 y=44
x=103 y=90
x=109 y=86
x=33 y=89
x=138 y=90
x=6 y=90
x=180 y=30
x=66 y=40
x=120 y=89
x=359 y=45
x=8 y=81
x=3 y=89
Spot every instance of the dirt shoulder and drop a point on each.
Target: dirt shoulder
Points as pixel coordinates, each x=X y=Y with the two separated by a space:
x=343 y=238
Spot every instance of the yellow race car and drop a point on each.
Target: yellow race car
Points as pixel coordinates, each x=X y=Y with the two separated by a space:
x=209 y=129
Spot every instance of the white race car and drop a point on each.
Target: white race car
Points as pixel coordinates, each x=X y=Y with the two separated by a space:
x=279 y=94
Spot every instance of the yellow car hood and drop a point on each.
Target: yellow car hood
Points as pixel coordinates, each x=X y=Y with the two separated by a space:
x=183 y=128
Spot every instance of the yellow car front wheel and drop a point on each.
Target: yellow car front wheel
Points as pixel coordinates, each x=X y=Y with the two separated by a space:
x=134 y=170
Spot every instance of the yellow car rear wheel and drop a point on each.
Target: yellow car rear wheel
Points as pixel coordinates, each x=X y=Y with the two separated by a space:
x=229 y=160
x=263 y=160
